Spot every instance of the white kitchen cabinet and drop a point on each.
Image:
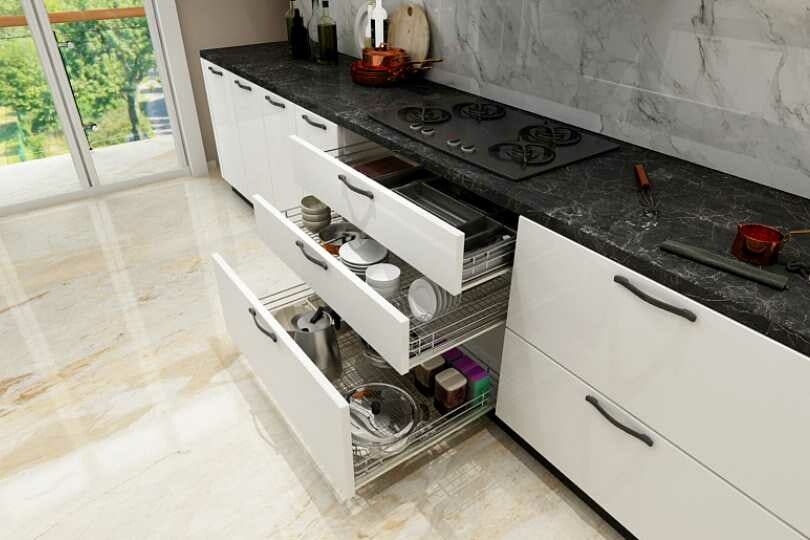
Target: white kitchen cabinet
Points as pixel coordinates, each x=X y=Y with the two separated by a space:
x=279 y=124
x=223 y=121
x=317 y=131
x=653 y=488
x=314 y=407
x=730 y=397
x=249 y=109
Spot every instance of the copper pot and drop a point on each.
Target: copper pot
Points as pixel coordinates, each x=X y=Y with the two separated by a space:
x=385 y=65
x=761 y=244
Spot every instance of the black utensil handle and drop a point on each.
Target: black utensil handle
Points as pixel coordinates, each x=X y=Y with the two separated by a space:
x=243 y=86
x=643 y=437
x=660 y=304
x=335 y=317
x=363 y=192
x=263 y=330
x=309 y=257
x=275 y=103
x=216 y=72
x=313 y=123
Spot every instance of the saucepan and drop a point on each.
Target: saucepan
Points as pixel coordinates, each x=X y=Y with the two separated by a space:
x=761 y=244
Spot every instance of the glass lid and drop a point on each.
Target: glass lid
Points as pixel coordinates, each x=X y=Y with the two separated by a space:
x=381 y=414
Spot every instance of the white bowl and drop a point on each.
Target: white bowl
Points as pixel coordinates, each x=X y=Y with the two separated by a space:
x=383 y=275
x=363 y=252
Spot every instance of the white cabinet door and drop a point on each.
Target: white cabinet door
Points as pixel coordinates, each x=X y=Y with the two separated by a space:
x=223 y=121
x=248 y=113
x=652 y=488
x=279 y=125
x=317 y=131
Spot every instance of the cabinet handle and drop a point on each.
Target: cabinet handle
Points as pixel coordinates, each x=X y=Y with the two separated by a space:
x=275 y=103
x=264 y=331
x=309 y=257
x=643 y=437
x=660 y=304
x=363 y=192
x=243 y=86
x=313 y=124
x=216 y=72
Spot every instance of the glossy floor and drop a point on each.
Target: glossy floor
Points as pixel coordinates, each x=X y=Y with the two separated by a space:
x=125 y=410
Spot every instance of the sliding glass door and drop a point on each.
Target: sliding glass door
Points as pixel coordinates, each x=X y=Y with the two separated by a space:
x=35 y=156
x=87 y=93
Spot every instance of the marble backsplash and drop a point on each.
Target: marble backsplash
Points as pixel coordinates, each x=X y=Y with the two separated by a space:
x=724 y=83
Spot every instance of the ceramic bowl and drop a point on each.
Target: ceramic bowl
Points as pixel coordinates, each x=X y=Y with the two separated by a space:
x=316 y=226
x=313 y=205
x=383 y=275
x=363 y=252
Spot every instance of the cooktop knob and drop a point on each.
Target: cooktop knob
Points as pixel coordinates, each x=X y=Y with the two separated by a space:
x=468 y=148
x=453 y=142
x=416 y=126
x=429 y=131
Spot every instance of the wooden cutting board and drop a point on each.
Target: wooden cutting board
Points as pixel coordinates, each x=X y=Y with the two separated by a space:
x=409 y=29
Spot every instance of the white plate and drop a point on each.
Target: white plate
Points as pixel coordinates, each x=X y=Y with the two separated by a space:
x=363 y=252
x=383 y=274
x=422 y=299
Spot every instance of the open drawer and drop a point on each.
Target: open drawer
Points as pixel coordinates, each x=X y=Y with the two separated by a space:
x=435 y=240
x=315 y=408
x=387 y=325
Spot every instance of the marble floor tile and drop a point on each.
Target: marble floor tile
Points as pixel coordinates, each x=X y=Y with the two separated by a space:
x=126 y=411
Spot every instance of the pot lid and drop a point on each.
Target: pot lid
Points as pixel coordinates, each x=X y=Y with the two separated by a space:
x=381 y=414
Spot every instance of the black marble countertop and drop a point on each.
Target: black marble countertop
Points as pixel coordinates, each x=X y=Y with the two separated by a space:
x=593 y=202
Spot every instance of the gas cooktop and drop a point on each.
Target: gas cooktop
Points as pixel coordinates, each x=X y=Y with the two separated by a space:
x=506 y=141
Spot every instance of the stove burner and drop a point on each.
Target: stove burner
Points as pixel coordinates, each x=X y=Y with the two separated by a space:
x=545 y=134
x=424 y=115
x=526 y=155
x=480 y=111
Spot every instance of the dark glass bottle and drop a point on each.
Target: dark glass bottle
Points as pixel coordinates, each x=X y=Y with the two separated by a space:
x=327 y=37
x=300 y=37
x=289 y=16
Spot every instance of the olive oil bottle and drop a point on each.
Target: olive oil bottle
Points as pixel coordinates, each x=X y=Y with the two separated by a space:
x=327 y=37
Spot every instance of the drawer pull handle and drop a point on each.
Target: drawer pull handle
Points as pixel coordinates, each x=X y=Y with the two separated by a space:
x=216 y=72
x=643 y=437
x=309 y=257
x=363 y=192
x=312 y=123
x=243 y=86
x=680 y=312
x=264 y=331
x=275 y=103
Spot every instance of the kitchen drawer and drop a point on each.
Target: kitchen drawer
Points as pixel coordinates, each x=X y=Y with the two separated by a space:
x=316 y=130
x=314 y=407
x=385 y=325
x=732 y=398
x=656 y=491
x=425 y=241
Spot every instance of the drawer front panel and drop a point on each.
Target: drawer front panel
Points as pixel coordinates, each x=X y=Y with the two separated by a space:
x=655 y=491
x=421 y=239
x=312 y=407
x=727 y=395
x=368 y=313
x=317 y=131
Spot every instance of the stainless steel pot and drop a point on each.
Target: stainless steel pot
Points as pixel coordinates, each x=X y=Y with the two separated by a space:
x=315 y=332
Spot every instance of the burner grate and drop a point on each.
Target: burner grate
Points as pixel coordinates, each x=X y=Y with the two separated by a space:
x=479 y=111
x=424 y=115
x=525 y=155
x=545 y=134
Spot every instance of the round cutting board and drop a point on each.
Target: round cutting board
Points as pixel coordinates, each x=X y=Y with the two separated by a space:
x=409 y=29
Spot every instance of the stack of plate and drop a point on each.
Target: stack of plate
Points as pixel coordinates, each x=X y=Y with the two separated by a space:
x=315 y=214
x=361 y=253
x=384 y=278
x=429 y=301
